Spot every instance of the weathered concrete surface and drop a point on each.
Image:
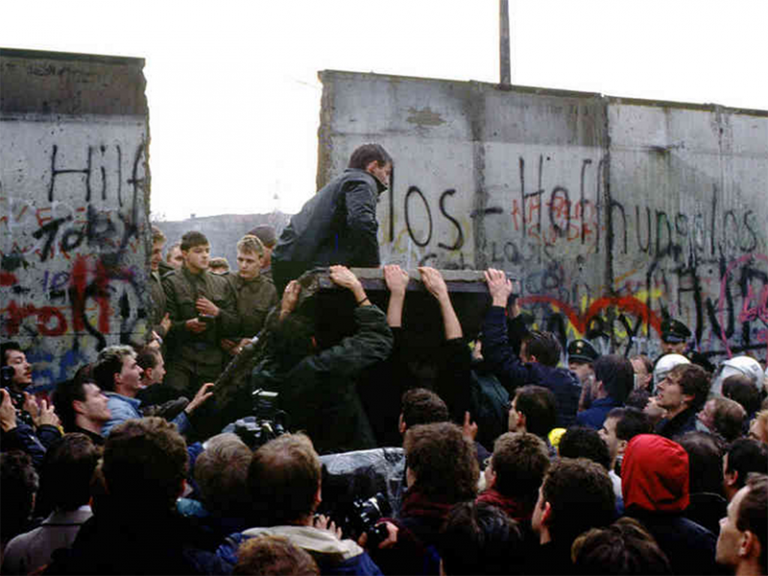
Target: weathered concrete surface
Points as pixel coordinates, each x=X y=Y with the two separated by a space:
x=612 y=213
x=74 y=195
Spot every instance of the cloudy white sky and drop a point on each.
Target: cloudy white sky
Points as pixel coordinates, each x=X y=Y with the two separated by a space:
x=234 y=97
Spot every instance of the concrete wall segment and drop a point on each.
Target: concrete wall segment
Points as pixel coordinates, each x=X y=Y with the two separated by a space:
x=74 y=195
x=613 y=213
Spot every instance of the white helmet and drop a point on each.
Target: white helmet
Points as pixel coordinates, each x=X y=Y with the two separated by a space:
x=665 y=364
x=745 y=365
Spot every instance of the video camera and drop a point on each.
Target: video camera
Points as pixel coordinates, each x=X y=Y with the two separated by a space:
x=362 y=515
x=267 y=422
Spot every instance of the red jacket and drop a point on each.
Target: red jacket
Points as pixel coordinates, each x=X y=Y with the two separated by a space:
x=654 y=474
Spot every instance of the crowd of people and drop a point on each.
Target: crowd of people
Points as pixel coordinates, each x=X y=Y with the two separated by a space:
x=508 y=453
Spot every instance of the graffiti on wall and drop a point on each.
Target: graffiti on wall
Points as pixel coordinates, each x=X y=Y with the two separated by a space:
x=703 y=267
x=73 y=250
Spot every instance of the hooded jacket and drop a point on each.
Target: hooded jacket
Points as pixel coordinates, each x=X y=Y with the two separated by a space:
x=654 y=474
x=654 y=480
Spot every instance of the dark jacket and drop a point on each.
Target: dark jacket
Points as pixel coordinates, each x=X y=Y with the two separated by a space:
x=594 y=416
x=126 y=543
x=679 y=425
x=336 y=226
x=319 y=393
x=514 y=373
x=23 y=438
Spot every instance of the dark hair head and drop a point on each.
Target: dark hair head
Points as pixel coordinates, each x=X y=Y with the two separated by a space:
x=583 y=442
x=580 y=495
x=148 y=357
x=753 y=512
x=479 y=538
x=740 y=388
x=693 y=381
x=367 y=153
x=193 y=238
x=624 y=547
x=616 y=374
x=544 y=346
x=633 y=423
x=746 y=455
x=292 y=340
x=219 y=263
x=705 y=461
x=520 y=460
x=19 y=483
x=109 y=363
x=638 y=398
x=422 y=406
x=67 y=392
x=539 y=406
x=6 y=347
x=145 y=463
x=444 y=462
x=273 y=555
x=283 y=479
x=67 y=471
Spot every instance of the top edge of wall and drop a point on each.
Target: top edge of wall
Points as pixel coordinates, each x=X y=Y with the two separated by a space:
x=610 y=100
x=70 y=56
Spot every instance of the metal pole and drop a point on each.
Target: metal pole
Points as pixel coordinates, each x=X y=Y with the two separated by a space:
x=505 y=66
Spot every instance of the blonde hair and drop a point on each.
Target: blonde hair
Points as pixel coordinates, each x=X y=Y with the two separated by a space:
x=250 y=244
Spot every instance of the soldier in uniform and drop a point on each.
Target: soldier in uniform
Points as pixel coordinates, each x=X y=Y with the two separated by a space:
x=674 y=337
x=674 y=340
x=202 y=311
x=255 y=292
x=581 y=356
x=158 y=316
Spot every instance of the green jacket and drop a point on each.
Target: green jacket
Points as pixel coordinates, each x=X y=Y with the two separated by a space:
x=255 y=298
x=182 y=290
x=320 y=392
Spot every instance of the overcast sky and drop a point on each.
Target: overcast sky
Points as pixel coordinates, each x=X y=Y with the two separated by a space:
x=234 y=97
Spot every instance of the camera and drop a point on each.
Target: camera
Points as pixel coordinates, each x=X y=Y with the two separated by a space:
x=362 y=515
x=267 y=422
x=6 y=377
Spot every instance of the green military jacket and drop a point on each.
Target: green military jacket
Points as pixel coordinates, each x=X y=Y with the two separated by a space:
x=158 y=302
x=255 y=298
x=182 y=289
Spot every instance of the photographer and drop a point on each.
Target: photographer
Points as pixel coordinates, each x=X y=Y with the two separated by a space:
x=284 y=482
x=32 y=427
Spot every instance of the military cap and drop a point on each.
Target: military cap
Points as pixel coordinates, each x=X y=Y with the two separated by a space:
x=674 y=331
x=582 y=351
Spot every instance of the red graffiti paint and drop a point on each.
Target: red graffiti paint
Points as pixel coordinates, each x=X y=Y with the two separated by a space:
x=99 y=290
x=628 y=304
x=16 y=314
x=7 y=279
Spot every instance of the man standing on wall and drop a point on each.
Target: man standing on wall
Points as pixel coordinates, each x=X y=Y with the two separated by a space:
x=338 y=225
x=202 y=312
